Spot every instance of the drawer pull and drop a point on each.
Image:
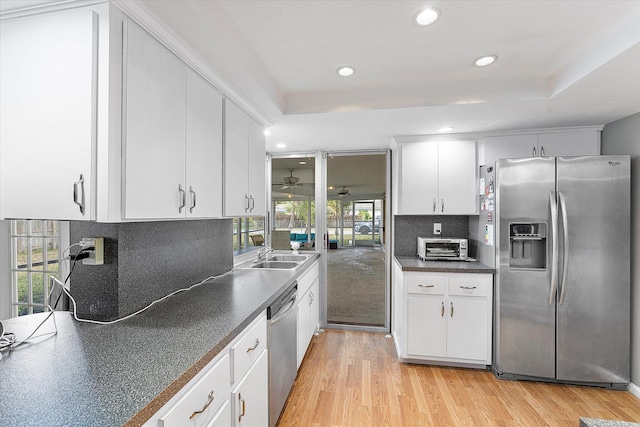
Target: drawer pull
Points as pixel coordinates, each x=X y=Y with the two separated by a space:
x=451 y=308
x=442 y=314
x=242 y=407
x=204 y=408
x=255 y=346
x=426 y=286
x=467 y=287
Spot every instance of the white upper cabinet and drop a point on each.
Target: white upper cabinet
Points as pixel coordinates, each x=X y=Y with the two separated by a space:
x=101 y=121
x=550 y=143
x=244 y=164
x=437 y=178
x=173 y=135
x=48 y=89
x=155 y=127
x=204 y=148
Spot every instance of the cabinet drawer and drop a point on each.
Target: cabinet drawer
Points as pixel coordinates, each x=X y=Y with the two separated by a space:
x=425 y=284
x=307 y=278
x=212 y=389
x=248 y=348
x=470 y=285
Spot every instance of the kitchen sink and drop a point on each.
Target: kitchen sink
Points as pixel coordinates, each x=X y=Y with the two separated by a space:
x=282 y=265
x=296 y=258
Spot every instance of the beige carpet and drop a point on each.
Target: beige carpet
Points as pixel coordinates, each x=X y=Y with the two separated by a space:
x=356 y=286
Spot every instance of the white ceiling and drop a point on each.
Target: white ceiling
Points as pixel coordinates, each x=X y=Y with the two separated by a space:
x=561 y=63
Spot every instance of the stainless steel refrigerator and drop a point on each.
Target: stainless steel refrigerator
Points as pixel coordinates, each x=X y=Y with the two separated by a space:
x=562 y=243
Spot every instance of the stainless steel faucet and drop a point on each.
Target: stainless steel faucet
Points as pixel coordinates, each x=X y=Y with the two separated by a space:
x=262 y=253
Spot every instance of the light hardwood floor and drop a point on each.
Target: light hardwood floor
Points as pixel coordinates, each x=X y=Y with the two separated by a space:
x=354 y=379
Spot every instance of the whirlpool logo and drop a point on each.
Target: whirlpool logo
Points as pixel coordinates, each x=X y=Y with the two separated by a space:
x=614 y=164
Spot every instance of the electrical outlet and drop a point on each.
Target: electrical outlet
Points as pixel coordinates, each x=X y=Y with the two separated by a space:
x=96 y=255
x=437 y=229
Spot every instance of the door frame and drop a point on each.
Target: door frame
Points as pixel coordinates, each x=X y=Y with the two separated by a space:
x=321 y=223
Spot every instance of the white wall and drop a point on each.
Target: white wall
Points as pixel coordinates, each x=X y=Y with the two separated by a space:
x=623 y=137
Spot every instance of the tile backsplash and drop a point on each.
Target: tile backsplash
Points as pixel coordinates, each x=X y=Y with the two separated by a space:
x=407 y=229
x=145 y=261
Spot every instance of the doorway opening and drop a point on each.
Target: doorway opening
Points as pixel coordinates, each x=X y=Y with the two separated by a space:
x=356 y=281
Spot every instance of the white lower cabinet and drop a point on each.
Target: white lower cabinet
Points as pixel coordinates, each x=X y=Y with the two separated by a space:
x=447 y=317
x=201 y=402
x=232 y=390
x=308 y=308
x=251 y=395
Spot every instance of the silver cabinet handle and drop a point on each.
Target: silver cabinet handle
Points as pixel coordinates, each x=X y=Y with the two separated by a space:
x=565 y=261
x=451 y=308
x=311 y=297
x=442 y=313
x=253 y=203
x=254 y=346
x=243 y=408
x=554 y=246
x=541 y=151
x=79 y=182
x=426 y=286
x=246 y=199
x=467 y=287
x=193 y=199
x=442 y=206
x=534 y=151
x=183 y=198
x=204 y=408
x=434 y=205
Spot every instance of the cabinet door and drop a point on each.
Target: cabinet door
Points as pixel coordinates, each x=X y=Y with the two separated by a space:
x=223 y=417
x=426 y=327
x=508 y=147
x=315 y=307
x=154 y=147
x=251 y=397
x=257 y=169
x=418 y=179
x=570 y=143
x=467 y=332
x=204 y=149
x=304 y=319
x=48 y=77
x=457 y=178
x=236 y=158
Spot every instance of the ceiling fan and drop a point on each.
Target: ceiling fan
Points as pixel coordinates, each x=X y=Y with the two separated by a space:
x=342 y=192
x=290 y=181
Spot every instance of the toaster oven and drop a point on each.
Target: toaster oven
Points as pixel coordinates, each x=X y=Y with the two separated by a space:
x=433 y=248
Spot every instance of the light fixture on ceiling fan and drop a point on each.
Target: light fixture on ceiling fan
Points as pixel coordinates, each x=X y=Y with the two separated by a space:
x=343 y=192
x=290 y=181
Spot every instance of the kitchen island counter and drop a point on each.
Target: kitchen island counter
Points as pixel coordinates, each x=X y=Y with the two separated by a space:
x=110 y=375
x=416 y=264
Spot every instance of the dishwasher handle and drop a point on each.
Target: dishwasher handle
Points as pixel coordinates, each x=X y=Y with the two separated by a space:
x=284 y=310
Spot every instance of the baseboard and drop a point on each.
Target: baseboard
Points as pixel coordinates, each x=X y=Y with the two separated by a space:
x=634 y=389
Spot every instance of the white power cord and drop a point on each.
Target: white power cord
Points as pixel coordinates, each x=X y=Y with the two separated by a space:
x=111 y=322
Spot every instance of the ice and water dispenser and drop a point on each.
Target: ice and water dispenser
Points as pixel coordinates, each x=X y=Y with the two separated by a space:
x=528 y=245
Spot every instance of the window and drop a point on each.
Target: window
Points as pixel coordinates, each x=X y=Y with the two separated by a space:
x=35 y=255
x=248 y=233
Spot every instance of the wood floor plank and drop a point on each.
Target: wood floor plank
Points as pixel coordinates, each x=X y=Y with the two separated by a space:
x=354 y=379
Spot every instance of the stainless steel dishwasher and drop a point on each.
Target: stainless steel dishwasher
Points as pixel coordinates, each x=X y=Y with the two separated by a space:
x=283 y=347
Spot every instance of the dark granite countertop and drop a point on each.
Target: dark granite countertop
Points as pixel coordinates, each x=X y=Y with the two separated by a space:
x=416 y=264
x=110 y=375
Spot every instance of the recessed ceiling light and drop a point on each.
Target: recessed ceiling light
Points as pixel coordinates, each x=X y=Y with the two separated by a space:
x=281 y=145
x=330 y=187
x=483 y=61
x=303 y=162
x=426 y=16
x=445 y=129
x=346 y=71
x=267 y=132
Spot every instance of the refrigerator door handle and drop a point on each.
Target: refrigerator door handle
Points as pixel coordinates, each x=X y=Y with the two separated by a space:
x=554 y=246
x=565 y=229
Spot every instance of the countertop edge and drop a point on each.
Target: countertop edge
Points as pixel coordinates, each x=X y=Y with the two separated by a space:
x=416 y=264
